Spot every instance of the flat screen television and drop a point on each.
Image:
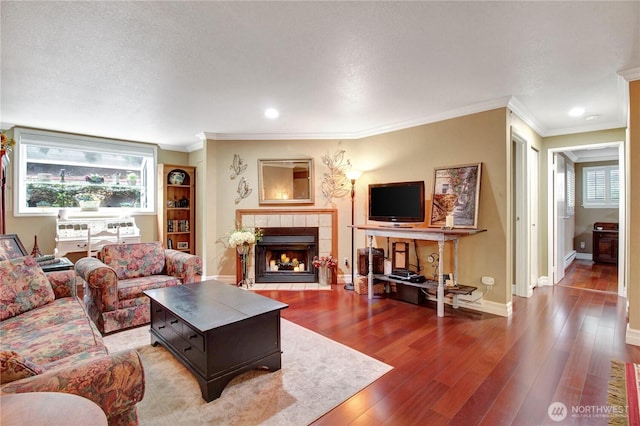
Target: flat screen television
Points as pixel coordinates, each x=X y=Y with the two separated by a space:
x=397 y=202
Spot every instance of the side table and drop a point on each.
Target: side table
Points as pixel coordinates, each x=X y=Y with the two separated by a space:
x=63 y=265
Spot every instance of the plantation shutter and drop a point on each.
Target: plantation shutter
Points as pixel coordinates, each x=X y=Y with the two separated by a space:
x=601 y=187
x=571 y=189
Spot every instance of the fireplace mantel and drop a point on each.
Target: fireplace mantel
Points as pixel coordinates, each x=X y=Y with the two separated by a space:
x=325 y=219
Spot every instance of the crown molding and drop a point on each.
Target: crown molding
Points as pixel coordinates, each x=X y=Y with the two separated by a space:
x=584 y=129
x=178 y=148
x=454 y=113
x=631 y=74
x=196 y=146
x=521 y=111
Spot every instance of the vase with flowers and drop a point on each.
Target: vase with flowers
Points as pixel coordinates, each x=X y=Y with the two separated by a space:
x=325 y=265
x=242 y=239
x=6 y=144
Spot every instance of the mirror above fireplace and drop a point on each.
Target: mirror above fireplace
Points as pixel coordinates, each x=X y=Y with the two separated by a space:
x=285 y=181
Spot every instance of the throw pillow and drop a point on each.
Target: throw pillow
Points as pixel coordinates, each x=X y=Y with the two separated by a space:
x=13 y=366
x=24 y=286
x=134 y=260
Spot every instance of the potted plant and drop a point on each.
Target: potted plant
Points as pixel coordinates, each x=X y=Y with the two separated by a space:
x=89 y=202
x=94 y=178
x=132 y=178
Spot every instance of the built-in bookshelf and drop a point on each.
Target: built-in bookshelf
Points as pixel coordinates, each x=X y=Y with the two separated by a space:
x=176 y=209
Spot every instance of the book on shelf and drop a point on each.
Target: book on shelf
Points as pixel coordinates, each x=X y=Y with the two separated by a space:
x=176 y=225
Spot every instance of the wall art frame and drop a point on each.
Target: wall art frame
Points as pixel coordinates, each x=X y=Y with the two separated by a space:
x=11 y=247
x=285 y=181
x=456 y=192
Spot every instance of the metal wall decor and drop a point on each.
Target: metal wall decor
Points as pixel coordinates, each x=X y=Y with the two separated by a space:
x=243 y=190
x=335 y=183
x=237 y=167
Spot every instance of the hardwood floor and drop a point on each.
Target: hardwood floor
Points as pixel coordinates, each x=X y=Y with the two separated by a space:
x=469 y=368
x=591 y=276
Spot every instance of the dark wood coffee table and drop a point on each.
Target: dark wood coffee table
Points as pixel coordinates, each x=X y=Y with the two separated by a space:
x=216 y=330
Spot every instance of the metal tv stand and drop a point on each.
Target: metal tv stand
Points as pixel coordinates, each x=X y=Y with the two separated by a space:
x=426 y=234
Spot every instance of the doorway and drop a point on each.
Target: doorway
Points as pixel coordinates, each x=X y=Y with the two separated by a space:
x=525 y=216
x=561 y=227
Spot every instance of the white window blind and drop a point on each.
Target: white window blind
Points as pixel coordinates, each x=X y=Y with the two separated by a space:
x=571 y=189
x=601 y=187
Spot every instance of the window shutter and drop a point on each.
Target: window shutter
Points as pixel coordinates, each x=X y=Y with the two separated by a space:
x=601 y=187
x=571 y=189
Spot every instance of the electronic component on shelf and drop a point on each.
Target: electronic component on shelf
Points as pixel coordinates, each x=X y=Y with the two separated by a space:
x=406 y=275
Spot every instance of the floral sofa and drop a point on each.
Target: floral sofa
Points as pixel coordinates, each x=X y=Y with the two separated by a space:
x=48 y=343
x=116 y=279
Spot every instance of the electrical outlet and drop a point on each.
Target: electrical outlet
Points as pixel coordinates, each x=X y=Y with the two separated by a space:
x=346 y=261
x=488 y=281
x=582 y=245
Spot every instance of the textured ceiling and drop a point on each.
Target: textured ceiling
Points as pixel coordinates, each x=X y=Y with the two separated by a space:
x=165 y=71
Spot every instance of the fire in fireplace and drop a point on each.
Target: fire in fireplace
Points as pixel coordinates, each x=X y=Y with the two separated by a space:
x=285 y=255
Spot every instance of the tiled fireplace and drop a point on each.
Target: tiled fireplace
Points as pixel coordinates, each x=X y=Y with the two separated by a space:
x=289 y=234
x=285 y=255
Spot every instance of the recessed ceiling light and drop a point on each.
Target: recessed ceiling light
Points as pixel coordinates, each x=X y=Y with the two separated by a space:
x=576 y=112
x=271 y=113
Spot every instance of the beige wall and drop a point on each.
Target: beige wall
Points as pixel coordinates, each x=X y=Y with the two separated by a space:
x=221 y=195
x=404 y=155
x=585 y=218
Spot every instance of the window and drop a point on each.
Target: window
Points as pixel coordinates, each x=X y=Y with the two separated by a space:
x=571 y=189
x=55 y=170
x=601 y=187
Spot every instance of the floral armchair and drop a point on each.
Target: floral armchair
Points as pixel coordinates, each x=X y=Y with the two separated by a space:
x=116 y=279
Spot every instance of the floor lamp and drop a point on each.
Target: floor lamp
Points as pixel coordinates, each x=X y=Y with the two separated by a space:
x=352 y=175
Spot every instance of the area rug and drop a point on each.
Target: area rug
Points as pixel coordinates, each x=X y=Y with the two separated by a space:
x=317 y=375
x=624 y=388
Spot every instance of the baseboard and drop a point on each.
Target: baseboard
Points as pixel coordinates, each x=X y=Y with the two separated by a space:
x=489 y=307
x=569 y=258
x=632 y=337
x=229 y=279
x=584 y=256
x=544 y=281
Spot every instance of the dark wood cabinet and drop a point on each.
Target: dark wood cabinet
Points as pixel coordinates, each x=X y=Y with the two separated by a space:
x=217 y=331
x=605 y=242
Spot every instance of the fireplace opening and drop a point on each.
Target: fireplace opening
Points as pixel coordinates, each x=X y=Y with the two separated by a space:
x=285 y=255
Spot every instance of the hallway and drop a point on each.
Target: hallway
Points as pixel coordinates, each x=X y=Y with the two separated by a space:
x=585 y=274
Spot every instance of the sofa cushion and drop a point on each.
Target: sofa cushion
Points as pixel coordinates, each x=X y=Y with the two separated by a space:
x=134 y=260
x=24 y=286
x=52 y=332
x=134 y=288
x=13 y=366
